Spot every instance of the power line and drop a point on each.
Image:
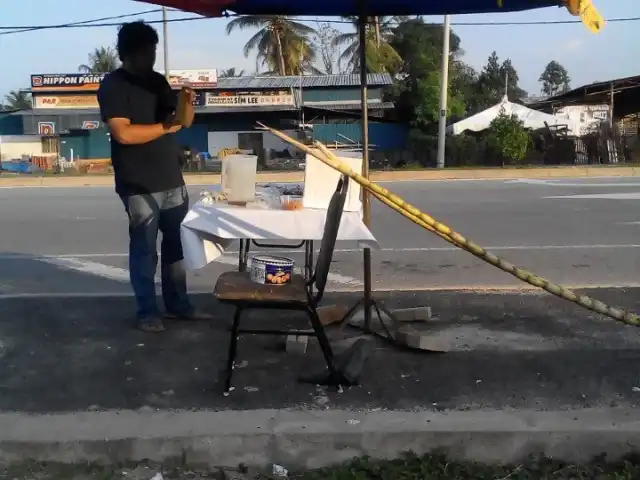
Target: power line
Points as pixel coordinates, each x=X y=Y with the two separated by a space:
x=84 y=23
x=100 y=22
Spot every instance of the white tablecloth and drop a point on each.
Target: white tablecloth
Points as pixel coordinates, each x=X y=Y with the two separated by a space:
x=207 y=230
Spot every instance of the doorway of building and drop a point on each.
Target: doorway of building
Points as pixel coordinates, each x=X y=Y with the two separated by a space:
x=50 y=144
x=252 y=141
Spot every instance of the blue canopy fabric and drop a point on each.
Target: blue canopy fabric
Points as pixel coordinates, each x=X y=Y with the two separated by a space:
x=215 y=8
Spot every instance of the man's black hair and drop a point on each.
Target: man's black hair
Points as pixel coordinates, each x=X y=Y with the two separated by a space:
x=134 y=36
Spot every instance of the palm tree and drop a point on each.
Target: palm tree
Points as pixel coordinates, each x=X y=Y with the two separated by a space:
x=18 y=100
x=231 y=72
x=281 y=44
x=101 y=60
x=381 y=57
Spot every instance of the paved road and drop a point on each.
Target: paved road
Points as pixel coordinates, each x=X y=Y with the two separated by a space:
x=579 y=232
x=507 y=351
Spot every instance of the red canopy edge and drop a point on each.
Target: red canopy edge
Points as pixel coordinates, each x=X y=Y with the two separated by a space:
x=207 y=8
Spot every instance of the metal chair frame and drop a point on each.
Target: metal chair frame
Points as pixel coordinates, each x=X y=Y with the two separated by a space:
x=318 y=280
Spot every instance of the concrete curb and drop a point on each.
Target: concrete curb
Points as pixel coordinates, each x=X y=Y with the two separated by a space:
x=377 y=176
x=310 y=439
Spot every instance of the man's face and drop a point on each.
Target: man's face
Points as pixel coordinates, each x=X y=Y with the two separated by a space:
x=144 y=58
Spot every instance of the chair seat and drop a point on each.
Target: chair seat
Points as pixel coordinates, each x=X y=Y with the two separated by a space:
x=238 y=287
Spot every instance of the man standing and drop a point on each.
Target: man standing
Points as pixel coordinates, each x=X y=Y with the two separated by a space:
x=138 y=106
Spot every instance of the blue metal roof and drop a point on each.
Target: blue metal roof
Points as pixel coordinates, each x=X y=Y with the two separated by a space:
x=307 y=81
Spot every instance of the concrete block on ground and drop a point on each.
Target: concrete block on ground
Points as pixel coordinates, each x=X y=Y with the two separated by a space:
x=297 y=344
x=421 y=340
x=416 y=314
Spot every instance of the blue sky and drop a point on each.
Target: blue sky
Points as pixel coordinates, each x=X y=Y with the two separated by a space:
x=204 y=44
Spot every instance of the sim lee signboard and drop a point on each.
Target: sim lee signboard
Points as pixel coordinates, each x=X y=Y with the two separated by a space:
x=69 y=82
x=249 y=99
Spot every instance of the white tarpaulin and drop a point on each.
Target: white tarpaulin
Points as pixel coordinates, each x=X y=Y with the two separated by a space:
x=532 y=119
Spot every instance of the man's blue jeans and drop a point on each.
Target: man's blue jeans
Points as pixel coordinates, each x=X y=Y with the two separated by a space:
x=149 y=213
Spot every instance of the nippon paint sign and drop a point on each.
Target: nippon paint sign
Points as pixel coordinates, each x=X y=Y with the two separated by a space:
x=65 y=82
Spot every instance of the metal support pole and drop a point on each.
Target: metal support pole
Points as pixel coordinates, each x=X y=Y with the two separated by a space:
x=366 y=205
x=165 y=41
x=611 y=105
x=444 y=87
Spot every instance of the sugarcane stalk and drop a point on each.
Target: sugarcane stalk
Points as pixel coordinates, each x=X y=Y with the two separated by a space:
x=446 y=233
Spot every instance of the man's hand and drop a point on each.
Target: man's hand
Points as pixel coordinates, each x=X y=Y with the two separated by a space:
x=171 y=124
x=191 y=94
x=185 y=110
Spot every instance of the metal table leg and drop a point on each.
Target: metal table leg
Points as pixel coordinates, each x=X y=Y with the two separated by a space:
x=243 y=254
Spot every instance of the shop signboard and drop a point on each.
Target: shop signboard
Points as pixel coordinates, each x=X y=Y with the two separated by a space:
x=193 y=78
x=58 y=82
x=90 y=125
x=199 y=99
x=71 y=82
x=249 y=99
x=46 y=129
x=65 y=101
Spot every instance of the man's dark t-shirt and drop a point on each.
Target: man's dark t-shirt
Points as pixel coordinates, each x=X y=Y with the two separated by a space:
x=149 y=167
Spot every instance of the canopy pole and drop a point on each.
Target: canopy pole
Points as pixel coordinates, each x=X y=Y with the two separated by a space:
x=165 y=41
x=444 y=92
x=366 y=201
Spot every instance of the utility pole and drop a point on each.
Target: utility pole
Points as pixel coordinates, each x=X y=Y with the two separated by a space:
x=444 y=86
x=165 y=41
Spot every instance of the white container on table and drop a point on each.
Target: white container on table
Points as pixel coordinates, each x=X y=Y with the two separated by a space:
x=238 y=179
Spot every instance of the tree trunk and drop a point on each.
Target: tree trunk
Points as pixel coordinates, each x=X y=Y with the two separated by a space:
x=280 y=54
x=376 y=23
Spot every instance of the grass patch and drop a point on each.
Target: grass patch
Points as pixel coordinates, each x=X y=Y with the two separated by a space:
x=439 y=467
x=409 y=467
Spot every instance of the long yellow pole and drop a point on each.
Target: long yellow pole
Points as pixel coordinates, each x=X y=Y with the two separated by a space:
x=455 y=238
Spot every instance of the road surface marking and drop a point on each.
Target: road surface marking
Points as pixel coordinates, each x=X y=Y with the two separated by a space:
x=229 y=261
x=91 y=268
x=122 y=275
x=560 y=183
x=599 y=196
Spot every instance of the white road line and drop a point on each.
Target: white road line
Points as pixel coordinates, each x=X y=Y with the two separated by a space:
x=91 y=268
x=122 y=275
x=27 y=256
x=560 y=183
x=598 y=196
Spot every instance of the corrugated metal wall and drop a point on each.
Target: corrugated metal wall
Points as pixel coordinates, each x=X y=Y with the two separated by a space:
x=194 y=137
x=338 y=94
x=86 y=144
x=384 y=136
x=11 y=124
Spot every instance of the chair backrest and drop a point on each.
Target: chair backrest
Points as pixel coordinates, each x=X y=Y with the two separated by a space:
x=328 y=243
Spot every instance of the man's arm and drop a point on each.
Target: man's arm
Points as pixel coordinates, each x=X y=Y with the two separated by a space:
x=170 y=100
x=127 y=134
x=114 y=108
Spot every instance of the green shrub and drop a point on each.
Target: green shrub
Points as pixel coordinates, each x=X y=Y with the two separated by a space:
x=508 y=138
